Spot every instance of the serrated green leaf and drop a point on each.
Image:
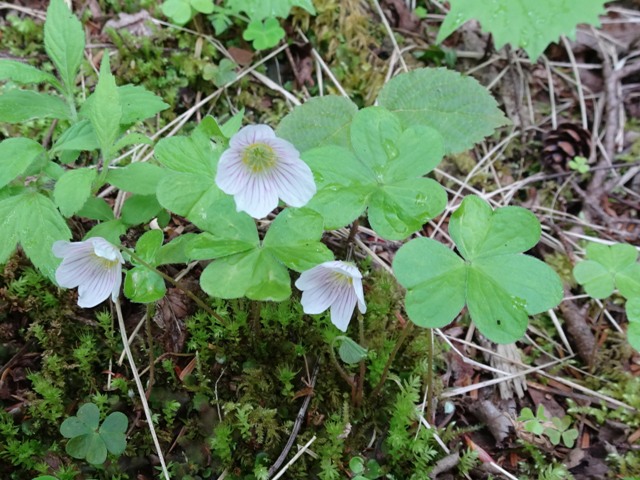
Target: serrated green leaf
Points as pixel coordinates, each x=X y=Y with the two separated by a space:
x=458 y=107
x=350 y=352
x=18 y=106
x=319 y=121
x=632 y=309
x=138 y=209
x=138 y=103
x=73 y=189
x=64 y=41
x=9 y=226
x=23 y=73
x=16 y=155
x=188 y=155
x=264 y=34
x=78 y=137
x=500 y=286
x=132 y=139
x=140 y=177
x=523 y=23
x=142 y=285
x=105 y=111
x=96 y=209
x=40 y=225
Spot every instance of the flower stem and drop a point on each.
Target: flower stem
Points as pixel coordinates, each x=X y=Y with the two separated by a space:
x=341 y=370
x=141 y=392
x=429 y=413
x=173 y=282
x=352 y=234
x=403 y=336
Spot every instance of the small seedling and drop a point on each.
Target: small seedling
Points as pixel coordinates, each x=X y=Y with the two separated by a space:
x=89 y=440
x=369 y=470
x=579 y=164
x=555 y=429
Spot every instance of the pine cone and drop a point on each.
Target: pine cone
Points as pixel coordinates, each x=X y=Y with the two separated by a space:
x=561 y=145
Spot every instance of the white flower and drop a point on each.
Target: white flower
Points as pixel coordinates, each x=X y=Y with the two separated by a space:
x=258 y=168
x=94 y=266
x=332 y=284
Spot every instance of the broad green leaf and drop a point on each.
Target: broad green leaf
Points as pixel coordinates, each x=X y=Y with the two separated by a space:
x=260 y=9
x=294 y=239
x=382 y=171
x=175 y=251
x=17 y=106
x=139 y=209
x=319 y=121
x=188 y=155
x=73 y=189
x=142 y=285
x=435 y=279
x=628 y=281
x=264 y=34
x=40 y=225
x=523 y=23
x=105 y=112
x=110 y=230
x=64 y=41
x=23 y=73
x=132 y=139
x=458 y=107
x=78 y=137
x=96 y=209
x=256 y=271
x=179 y=11
x=500 y=286
x=74 y=427
x=16 y=155
x=148 y=245
x=140 y=177
x=350 y=352
x=479 y=232
x=138 y=103
x=608 y=267
x=203 y=6
x=9 y=226
x=633 y=315
x=233 y=125
x=113 y=431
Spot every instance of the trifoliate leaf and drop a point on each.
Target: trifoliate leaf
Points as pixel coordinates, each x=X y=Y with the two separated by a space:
x=142 y=285
x=608 y=267
x=382 y=171
x=178 y=11
x=500 y=286
x=458 y=107
x=529 y=24
x=264 y=33
x=633 y=315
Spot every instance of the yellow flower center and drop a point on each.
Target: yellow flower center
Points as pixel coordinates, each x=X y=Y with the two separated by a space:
x=342 y=279
x=259 y=157
x=107 y=263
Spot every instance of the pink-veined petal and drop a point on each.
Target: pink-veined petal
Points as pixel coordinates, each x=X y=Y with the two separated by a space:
x=294 y=182
x=317 y=300
x=357 y=288
x=313 y=278
x=342 y=309
x=251 y=134
x=258 y=198
x=232 y=175
x=115 y=293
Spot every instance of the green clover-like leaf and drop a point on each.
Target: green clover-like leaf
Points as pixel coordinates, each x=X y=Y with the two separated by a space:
x=264 y=33
x=569 y=437
x=245 y=267
x=523 y=23
x=553 y=435
x=382 y=172
x=89 y=442
x=500 y=286
x=178 y=11
x=633 y=315
x=608 y=267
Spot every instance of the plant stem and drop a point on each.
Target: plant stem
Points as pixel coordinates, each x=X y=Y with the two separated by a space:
x=176 y=284
x=352 y=235
x=403 y=336
x=341 y=370
x=141 y=392
x=429 y=413
x=363 y=371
